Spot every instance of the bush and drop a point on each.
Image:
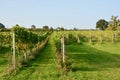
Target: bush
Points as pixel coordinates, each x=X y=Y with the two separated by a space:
x=71 y=39
x=82 y=38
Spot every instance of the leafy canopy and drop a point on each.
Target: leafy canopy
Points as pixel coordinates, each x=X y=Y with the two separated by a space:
x=102 y=24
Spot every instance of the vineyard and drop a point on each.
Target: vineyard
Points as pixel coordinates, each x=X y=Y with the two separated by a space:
x=59 y=55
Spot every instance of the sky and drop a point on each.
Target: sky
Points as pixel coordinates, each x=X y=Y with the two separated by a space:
x=82 y=14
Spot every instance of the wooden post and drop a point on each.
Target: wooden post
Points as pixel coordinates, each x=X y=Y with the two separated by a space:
x=78 y=39
x=101 y=37
x=90 y=35
x=25 y=54
x=14 y=62
x=113 y=38
x=63 y=48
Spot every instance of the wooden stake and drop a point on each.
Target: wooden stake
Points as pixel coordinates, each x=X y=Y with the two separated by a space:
x=101 y=37
x=14 y=62
x=63 y=48
x=78 y=39
x=113 y=38
x=90 y=35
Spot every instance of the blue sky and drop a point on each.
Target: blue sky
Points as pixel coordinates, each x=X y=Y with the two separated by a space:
x=82 y=14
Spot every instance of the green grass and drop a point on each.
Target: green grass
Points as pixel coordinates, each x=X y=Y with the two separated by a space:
x=4 y=51
x=95 y=62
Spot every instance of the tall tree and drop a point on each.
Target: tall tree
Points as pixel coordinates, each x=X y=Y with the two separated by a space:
x=33 y=27
x=62 y=29
x=45 y=27
x=58 y=28
x=102 y=24
x=51 y=28
x=2 y=26
x=114 y=23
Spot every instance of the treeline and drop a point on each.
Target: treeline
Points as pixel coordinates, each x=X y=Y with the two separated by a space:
x=101 y=24
x=113 y=24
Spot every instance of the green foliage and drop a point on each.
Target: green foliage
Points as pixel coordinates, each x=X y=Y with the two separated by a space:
x=82 y=38
x=60 y=28
x=71 y=38
x=102 y=24
x=45 y=27
x=51 y=28
x=24 y=36
x=33 y=27
x=28 y=41
x=2 y=26
x=5 y=38
x=58 y=45
x=114 y=23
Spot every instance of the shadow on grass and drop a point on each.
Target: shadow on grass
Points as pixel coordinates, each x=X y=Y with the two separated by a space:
x=87 y=58
x=32 y=65
x=42 y=57
x=4 y=51
x=37 y=64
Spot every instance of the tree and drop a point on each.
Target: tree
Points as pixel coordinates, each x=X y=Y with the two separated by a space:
x=60 y=28
x=102 y=24
x=75 y=29
x=114 y=23
x=45 y=27
x=17 y=24
x=2 y=26
x=33 y=27
x=51 y=28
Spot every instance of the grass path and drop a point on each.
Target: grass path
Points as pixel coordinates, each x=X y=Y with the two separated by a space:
x=3 y=59
x=41 y=68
